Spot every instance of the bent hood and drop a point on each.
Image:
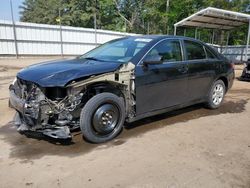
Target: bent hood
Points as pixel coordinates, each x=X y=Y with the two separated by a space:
x=59 y=73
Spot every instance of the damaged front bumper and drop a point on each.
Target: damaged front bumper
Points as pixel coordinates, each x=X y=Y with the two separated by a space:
x=53 y=132
x=35 y=116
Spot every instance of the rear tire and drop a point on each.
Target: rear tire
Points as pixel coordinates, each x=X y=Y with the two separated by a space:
x=216 y=95
x=102 y=117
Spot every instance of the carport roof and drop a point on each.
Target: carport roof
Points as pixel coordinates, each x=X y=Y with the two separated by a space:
x=214 y=18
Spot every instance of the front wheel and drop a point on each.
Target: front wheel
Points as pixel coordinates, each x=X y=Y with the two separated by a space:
x=216 y=94
x=102 y=117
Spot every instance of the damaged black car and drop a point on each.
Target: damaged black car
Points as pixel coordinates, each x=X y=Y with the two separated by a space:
x=122 y=80
x=245 y=76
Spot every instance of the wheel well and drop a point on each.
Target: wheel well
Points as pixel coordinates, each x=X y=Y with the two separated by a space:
x=101 y=87
x=105 y=87
x=224 y=79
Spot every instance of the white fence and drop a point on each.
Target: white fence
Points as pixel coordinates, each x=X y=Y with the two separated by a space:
x=236 y=53
x=42 y=39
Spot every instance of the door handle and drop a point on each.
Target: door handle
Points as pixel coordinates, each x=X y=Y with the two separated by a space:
x=183 y=69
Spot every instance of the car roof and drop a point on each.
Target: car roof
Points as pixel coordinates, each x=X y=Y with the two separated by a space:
x=159 y=37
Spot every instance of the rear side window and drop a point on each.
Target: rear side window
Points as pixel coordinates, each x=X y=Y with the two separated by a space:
x=210 y=55
x=194 y=50
x=170 y=50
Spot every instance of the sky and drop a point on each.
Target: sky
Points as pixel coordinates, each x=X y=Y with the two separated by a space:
x=5 y=11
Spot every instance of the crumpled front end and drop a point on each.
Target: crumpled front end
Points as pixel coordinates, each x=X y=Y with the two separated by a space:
x=55 y=111
x=51 y=111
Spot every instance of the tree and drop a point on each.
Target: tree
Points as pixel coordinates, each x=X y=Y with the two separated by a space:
x=73 y=12
x=137 y=16
x=40 y=11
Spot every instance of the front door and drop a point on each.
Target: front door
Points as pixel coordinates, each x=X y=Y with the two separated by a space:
x=163 y=85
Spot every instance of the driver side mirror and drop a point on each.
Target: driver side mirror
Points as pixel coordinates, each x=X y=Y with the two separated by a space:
x=153 y=60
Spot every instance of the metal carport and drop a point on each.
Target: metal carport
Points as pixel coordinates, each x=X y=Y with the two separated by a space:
x=214 y=18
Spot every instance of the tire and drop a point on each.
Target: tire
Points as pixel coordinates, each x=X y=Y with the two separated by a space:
x=102 y=118
x=216 y=95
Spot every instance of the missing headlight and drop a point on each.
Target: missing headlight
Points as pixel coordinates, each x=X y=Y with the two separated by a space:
x=56 y=93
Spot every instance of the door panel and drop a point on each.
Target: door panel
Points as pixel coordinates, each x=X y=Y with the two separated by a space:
x=200 y=77
x=201 y=66
x=160 y=86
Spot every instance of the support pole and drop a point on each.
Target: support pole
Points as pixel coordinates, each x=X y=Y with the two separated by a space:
x=196 y=30
x=95 y=25
x=248 y=37
x=167 y=10
x=242 y=54
x=213 y=37
x=14 y=29
x=125 y=24
x=228 y=35
x=175 y=30
x=148 y=28
x=95 y=22
x=61 y=38
x=184 y=32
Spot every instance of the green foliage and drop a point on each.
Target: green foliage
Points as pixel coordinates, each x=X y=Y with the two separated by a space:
x=138 y=16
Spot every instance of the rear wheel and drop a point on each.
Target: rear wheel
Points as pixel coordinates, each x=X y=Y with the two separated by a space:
x=216 y=95
x=102 y=117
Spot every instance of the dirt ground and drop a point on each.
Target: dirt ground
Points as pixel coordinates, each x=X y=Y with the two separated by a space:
x=193 y=147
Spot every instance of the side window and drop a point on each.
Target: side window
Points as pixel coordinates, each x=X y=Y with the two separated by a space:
x=194 y=50
x=210 y=55
x=170 y=51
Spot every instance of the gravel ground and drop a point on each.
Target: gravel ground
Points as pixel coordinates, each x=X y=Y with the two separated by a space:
x=192 y=147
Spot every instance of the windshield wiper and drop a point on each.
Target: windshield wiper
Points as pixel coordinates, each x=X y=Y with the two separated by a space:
x=93 y=58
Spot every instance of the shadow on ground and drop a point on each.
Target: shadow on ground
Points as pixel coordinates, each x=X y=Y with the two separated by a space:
x=33 y=147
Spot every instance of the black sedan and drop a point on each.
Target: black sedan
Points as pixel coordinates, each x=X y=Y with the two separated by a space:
x=125 y=79
x=245 y=76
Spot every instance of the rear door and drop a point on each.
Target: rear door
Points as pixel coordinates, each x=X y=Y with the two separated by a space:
x=162 y=85
x=201 y=66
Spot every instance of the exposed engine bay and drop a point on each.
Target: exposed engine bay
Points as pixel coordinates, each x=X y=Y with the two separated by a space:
x=55 y=111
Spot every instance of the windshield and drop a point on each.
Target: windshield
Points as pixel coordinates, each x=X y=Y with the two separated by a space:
x=121 y=50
